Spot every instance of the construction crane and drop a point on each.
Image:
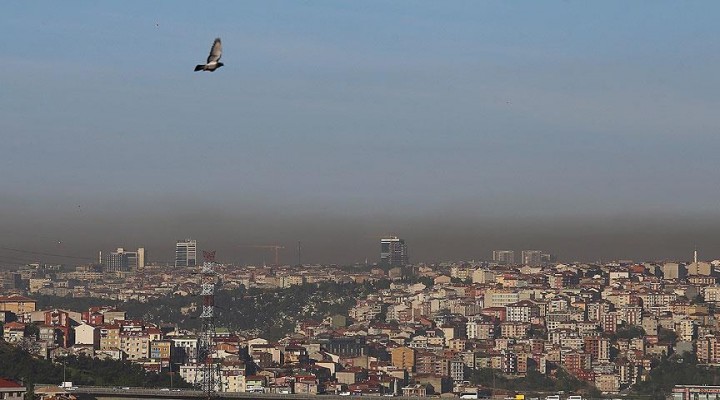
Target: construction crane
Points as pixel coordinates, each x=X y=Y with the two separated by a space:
x=267 y=246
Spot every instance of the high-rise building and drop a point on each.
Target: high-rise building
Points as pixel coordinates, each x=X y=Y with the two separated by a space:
x=141 y=258
x=504 y=257
x=393 y=252
x=186 y=253
x=122 y=260
x=674 y=271
x=532 y=257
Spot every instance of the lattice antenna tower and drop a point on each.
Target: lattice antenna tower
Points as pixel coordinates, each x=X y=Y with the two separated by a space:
x=209 y=377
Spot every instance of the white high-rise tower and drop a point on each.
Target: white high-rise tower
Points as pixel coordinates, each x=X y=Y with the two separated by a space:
x=186 y=253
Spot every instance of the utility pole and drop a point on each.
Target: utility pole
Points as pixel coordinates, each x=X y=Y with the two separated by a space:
x=492 y=395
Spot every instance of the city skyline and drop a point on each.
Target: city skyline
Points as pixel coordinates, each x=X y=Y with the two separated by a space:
x=184 y=253
x=584 y=129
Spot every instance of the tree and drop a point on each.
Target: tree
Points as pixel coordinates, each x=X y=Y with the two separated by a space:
x=567 y=382
x=271 y=313
x=487 y=377
x=675 y=370
x=629 y=332
x=667 y=335
x=31 y=330
x=20 y=365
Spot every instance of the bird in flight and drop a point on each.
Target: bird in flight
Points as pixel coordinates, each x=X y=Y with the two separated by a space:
x=213 y=60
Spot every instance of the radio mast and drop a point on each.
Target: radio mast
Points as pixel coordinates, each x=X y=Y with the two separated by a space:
x=208 y=377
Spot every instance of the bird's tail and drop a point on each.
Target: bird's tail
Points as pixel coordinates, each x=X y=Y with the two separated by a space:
x=199 y=67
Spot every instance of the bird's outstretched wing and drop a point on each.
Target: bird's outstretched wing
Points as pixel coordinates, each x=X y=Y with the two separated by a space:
x=215 y=51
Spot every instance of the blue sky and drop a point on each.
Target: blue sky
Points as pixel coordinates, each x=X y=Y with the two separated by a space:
x=372 y=115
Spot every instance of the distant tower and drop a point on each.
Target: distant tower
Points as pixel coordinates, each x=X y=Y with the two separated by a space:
x=140 y=264
x=695 y=256
x=393 y=252
x=504 y=257
x=207 y=375
x=186 y=253
x=122 y=260
x=532 y=258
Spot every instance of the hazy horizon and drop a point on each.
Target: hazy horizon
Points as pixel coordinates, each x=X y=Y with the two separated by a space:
x=586 y=130
x=341 y=239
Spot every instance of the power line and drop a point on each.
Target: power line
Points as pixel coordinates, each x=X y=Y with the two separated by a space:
x=26 y=259
x=39 y=253
x=4 y=261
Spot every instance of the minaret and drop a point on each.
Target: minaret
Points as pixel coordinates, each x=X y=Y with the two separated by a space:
x=695 y=256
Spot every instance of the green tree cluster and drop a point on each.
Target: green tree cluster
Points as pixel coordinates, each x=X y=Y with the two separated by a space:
x=629 y=332
x=271 y=313
x=21 y=366
x=532 y=382
x=676 y=370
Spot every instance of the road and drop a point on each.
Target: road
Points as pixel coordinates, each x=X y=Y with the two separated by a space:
x=106 y=393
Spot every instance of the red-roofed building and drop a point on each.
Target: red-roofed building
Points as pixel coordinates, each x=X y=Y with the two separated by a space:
x=17 y=304
x=11 y=390
x=498 y=313
x=307 y=385
x=94 y=318
x=365 y=388
x=637 y=269
x=295 y=354
x=60 y=321
x=13 y=332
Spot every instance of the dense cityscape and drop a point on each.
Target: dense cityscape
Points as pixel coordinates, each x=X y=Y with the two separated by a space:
x=475 y=328
x=301 y=200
